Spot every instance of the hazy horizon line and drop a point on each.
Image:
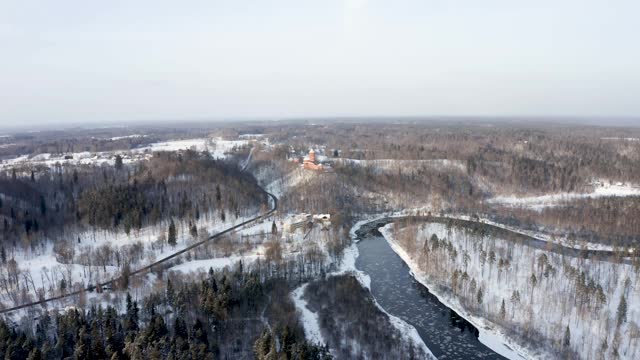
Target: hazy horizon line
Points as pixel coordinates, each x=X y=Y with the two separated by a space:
x=615 y=121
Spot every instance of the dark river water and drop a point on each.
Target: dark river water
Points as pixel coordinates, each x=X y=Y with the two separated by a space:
x=447 y=335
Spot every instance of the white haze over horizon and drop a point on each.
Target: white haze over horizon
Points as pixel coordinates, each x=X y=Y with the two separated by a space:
x=120 y=61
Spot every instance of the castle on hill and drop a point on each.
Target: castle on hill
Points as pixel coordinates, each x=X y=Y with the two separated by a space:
x=310 y=162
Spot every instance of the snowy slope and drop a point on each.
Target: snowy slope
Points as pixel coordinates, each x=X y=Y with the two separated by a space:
x=347 y=266
x=601 y=189
x=310 y=321
x=545 y=309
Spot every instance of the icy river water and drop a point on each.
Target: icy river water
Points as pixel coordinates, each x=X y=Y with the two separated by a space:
x=447 y=335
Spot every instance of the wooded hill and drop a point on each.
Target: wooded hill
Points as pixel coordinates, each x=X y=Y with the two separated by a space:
x=170 y=185
x=226 y=315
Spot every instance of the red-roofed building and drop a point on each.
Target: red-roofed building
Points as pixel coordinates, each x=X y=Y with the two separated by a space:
x=310 y=162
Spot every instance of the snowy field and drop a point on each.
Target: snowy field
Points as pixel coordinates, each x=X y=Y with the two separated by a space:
x=620 y=138
x=42 y=268
x=132 y=136
x=203 y=266
x=309 y=319
x=600 y=189
x=99 y=256
x=218 y=148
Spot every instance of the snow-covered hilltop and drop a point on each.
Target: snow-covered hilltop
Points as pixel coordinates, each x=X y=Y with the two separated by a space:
x=217 y=147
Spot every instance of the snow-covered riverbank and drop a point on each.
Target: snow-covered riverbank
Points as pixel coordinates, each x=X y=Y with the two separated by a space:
x=533 y=295
x=348 y=266
x=489 y=333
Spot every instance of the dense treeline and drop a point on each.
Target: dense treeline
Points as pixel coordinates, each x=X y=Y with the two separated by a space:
x=169 y=185
x=354 y=188
x=538 y=157
x=29 y=205
x=325 y=193
x=526 y=174
x=225 y=315
x=418 y=183
x=67 y=143
x=609 y=220
x=353 y=324
x=533 y=294
x=385 y=166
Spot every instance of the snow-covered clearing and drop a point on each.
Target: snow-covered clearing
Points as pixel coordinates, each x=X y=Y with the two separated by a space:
x=620 y=138
x=81 y=158
x=310 y=320
x=46 y=272
x=600 y=189
x=251 y=136
x=99 y=255
x=218 y=148
x=132 y=136
x=209 y=222
x=215 y=263
x=40 y=269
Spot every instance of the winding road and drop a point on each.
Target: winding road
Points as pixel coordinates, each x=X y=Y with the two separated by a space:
x=524 y=239
x=164 y=260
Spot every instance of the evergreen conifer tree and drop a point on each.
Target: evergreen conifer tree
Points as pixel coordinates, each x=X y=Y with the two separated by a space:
x=566 y=341
x=172 y=234
x=622 y=311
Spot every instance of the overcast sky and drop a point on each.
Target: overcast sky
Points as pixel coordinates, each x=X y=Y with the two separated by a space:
x=97 y=61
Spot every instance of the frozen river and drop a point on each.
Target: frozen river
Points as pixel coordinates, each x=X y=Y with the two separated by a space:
x=447 y=335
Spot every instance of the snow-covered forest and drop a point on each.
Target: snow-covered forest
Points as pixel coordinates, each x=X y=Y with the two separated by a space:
x=100 y=208
x=552 y=303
